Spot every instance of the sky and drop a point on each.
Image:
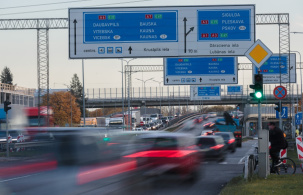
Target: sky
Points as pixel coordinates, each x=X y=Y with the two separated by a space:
x=18 y=48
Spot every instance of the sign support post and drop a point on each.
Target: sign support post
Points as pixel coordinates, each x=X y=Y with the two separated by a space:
x=7 y=141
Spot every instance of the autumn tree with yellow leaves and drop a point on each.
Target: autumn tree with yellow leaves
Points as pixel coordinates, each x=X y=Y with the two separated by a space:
x=62 y=104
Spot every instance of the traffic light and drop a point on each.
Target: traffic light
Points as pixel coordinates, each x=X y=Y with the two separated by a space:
x=6 y=106
x=258 y=87
x=278 y=108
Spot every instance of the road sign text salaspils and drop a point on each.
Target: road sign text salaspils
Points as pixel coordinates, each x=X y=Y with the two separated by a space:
x=161 y=31
x=203 y=70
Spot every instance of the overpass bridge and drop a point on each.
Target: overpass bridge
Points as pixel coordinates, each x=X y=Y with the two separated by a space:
x=179 y=96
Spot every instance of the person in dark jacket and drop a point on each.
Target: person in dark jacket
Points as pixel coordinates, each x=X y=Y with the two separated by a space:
x=276 y=138
x=228 y=119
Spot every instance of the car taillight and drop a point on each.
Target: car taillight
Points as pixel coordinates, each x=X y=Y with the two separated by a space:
x=161 y=153
x=217 y=147
x=231 y=141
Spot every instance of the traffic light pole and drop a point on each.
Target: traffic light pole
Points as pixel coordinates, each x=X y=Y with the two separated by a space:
x=7 y=151
x=280 y=114
x=259 y=117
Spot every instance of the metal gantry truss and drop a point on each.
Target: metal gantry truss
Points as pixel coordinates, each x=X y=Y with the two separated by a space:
x=43 y=25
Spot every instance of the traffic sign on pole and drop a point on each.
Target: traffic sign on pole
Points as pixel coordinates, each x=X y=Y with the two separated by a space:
x=298 y=118
x=284 y=113
x=271 y=69
x=258 y=53
x=161 y=31
x=280 y=92
x=235 y=90
x=205 y=92
x=203 y=70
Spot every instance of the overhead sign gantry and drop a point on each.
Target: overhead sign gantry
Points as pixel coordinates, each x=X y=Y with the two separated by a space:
x=161 y=31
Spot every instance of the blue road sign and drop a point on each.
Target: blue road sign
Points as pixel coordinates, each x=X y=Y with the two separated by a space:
x=134 y=32
x=271 y=66
x=205 y=93
x=222 y=25
x=234 y=90
x=271 y=69
x=203 y=70
x=284 y=113
x=156 y=26
x=298 y=118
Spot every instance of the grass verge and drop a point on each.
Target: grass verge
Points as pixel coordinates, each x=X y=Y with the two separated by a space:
x=274 y=184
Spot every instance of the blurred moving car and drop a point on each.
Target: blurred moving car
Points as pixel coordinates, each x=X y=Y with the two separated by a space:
x=168 y=153
x=212 y=147
x=198 y=119
x=153 y=126
x=207 y=132
x=229 y=140
x=212 y=114
x=138 y=129
x=146 y=127
x=205 y=116
x=236 y=114
x=209 y=125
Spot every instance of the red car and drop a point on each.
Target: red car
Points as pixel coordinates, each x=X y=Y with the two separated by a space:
x=166 y=153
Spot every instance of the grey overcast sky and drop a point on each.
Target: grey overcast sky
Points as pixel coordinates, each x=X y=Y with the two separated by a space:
x=18 y=48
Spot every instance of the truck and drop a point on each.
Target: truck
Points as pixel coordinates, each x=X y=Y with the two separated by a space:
x=228 y=124
x=89 y=122
x=101 y=121
x=46 y=119
x=117 y=122
x=136 y=119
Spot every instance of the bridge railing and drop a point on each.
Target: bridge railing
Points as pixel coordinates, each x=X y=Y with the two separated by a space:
x=176 y=92
x=16 y=89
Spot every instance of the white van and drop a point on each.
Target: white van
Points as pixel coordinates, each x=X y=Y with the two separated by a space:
x=156 y=117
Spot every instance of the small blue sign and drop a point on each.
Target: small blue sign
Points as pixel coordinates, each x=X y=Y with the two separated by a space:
x=208 y=93
x=271 y=66
x=298 y=118
x=234 y=90
x=222 y=25
x=131 y=26
x=2 y=114
x=284 y=113
x=200 y=66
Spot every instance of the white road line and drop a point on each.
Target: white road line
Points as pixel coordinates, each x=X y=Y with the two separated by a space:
x=2 y=181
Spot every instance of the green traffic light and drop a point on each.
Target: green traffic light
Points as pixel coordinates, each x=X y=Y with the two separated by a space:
x=258 y=94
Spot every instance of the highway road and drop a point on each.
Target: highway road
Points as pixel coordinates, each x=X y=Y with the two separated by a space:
x=65 y=180
x=122 y=177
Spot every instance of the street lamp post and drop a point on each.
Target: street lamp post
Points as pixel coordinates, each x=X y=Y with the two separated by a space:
x=145 y=88
x=301 y=81
x=129 y=117
x=160 y=93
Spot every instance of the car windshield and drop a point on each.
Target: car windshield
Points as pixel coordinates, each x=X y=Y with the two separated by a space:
x=225 y=136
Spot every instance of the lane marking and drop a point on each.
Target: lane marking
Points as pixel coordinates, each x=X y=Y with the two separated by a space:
x=18 y=177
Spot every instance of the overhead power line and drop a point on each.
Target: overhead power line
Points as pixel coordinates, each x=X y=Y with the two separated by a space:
x=48 y=10
x=36 y=5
